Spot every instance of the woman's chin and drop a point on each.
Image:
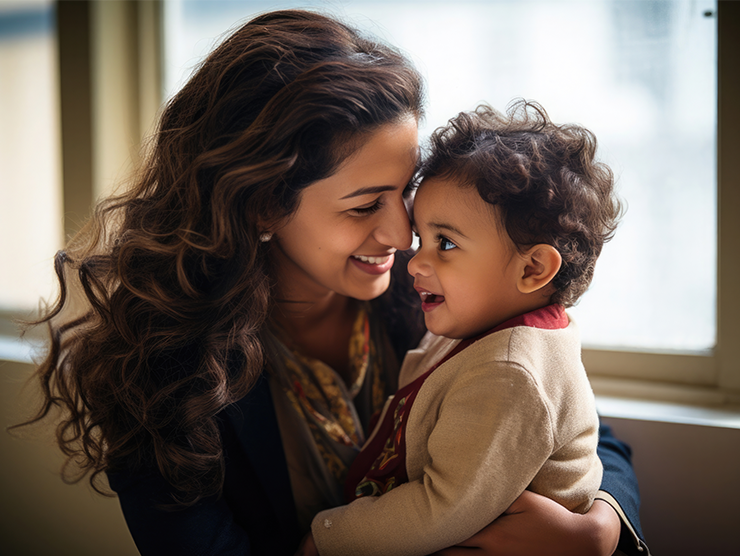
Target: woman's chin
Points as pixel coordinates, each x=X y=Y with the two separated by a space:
x=374 y=289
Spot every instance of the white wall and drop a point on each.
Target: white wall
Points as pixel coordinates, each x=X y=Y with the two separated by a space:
x=39 y=514
x=689 y=479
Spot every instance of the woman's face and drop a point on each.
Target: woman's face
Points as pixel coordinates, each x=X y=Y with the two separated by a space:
x=343 y=236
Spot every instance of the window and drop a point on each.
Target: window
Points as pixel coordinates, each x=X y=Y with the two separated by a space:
x=79 y=86
x=30 y=194
x=642 y=75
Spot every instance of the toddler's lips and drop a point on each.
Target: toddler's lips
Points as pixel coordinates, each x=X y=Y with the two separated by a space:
x=429 y=300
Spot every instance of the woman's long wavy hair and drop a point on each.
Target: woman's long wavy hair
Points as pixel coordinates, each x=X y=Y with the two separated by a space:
x=173 y=281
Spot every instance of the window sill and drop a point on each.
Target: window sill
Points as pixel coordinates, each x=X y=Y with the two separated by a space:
x=640 y=401
x=615 y=397
x=16 y=350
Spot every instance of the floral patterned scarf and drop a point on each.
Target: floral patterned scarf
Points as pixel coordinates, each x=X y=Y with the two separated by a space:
x=322 y=419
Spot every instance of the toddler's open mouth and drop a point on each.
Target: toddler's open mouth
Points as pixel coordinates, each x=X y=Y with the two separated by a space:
x=431 y=298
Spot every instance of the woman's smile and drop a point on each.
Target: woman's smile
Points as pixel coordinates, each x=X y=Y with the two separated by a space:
x=373 y=265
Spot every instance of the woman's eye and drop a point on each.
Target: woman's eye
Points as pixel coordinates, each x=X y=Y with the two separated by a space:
x=365 y=210
x=445 y=244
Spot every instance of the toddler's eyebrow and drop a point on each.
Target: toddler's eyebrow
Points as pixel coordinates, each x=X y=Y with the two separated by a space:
x=443 y=226
x=369 y=191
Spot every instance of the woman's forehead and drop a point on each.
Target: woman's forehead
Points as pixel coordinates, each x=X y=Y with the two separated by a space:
x=386 y=161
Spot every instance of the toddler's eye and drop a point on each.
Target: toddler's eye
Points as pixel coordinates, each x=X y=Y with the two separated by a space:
x=445 y=244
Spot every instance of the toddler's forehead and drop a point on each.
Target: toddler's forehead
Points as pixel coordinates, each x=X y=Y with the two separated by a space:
x=447 y=181
x=459 y=188
x=453 y=195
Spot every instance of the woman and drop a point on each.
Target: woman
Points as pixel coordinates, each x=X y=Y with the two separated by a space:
x=227 y=327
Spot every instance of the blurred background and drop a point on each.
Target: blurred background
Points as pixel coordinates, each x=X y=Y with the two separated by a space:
x=82 y=82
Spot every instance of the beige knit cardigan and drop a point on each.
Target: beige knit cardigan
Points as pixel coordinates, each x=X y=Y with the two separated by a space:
x=513 y=411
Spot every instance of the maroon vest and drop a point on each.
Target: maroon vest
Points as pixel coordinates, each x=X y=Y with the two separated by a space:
x=381 y=465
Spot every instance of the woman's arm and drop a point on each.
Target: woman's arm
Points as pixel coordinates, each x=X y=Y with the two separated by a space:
x=206 y=528
x=619 y=488
x=255 y=513
x=534 y=524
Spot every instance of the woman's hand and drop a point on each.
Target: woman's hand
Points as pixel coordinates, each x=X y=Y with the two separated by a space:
x=535 y=525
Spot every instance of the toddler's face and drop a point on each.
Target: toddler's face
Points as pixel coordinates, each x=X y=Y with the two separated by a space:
x=464 y=268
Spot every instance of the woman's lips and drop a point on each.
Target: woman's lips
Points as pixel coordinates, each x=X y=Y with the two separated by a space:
x=375 y=265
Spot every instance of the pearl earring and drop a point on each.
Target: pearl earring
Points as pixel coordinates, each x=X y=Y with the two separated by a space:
x=265 y=237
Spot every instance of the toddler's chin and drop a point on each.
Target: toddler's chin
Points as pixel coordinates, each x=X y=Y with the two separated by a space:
x=433 y=327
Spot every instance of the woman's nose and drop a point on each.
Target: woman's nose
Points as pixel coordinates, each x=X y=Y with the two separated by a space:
x=395 y=228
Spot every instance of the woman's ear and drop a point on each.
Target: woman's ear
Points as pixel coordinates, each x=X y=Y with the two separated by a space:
x=267 y=227
x=541 y=264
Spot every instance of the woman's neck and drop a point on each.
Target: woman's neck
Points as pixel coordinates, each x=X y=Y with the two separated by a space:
x=320 y=329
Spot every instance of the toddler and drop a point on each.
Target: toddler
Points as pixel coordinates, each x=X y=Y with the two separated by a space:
x=512 y=212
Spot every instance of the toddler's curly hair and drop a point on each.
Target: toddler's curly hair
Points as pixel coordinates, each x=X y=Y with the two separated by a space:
x=543 y=178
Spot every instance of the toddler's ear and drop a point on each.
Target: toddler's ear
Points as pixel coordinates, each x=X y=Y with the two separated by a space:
x=541 y=264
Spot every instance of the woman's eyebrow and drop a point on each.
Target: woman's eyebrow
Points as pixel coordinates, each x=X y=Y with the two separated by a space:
x=369 y=191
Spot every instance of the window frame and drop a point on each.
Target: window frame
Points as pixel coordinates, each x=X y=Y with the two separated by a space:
x=715 y=377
